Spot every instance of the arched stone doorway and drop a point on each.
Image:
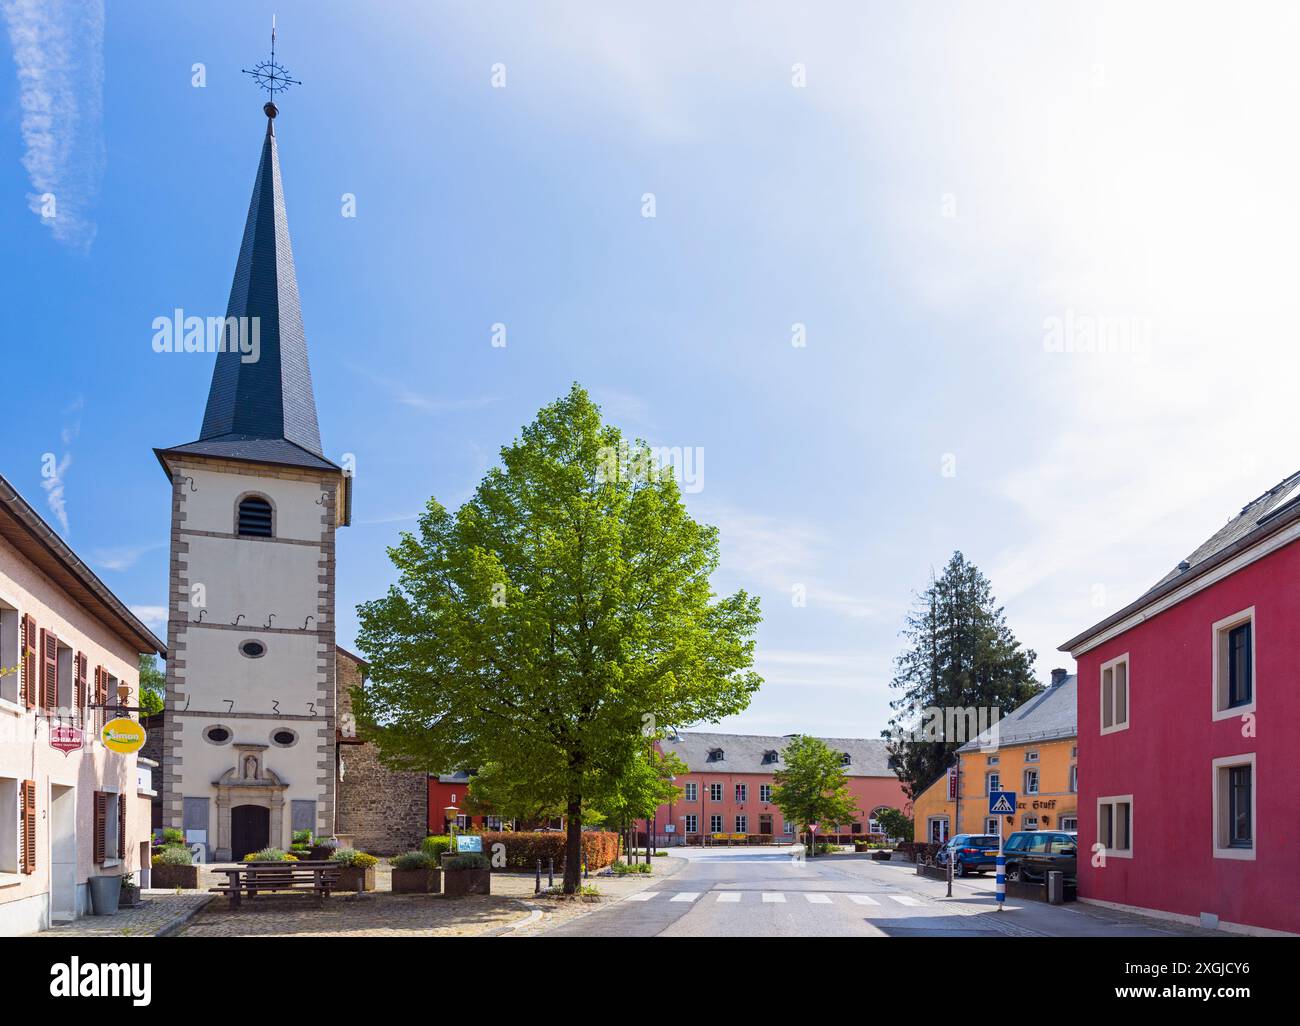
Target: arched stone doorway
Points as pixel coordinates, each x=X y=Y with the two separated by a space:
x=250 y=830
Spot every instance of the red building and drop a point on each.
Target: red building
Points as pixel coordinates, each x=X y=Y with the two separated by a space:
x=729 y=786
x=1189 y=724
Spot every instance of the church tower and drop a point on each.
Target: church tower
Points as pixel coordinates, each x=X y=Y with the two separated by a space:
x=250 y=733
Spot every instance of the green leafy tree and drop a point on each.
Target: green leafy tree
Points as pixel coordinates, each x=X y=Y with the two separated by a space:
x=894 y=823
x=961 y=656
x=560 y=617
x=813 y=787
x=640 y=790
x=153 y=685
x=495 y=791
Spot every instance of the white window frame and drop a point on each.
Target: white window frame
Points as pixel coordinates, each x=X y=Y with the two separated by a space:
x=1060 y=823
x=742 y=823
x=11 y=643
x=943 y=824
x=787 y=827
x=765 y=793
x=11 y=829
x=1110 y=665
x=1026 y=820
x=993 y=825
x=715 y=792
x=1031 y=755
x=690 y=791
x=1219 y=820
x=992 y=782
x=690 y=824
x=1074 y=778
x=993 y=760
x=715 y=823
x=742 y=792
x=1038 y=781
x=1118 y=799
x=1219 y=708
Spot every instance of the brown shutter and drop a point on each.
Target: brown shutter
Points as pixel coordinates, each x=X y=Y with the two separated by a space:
x=49 y=670
x=101 y=695
x=28 y=812
x=30 y=669
x=121 y=827
x=101 y=807
x=79 y=684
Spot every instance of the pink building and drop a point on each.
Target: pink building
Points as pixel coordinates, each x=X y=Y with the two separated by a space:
x=70 y=809
x=729 y=787
x=1189 y=724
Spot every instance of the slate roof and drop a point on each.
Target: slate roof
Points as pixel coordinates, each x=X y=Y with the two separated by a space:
x=1048 y=716
x=744 y=753
x=264 y=411
x=1262 y=516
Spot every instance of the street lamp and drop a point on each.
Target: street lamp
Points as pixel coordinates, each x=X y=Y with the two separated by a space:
x=451 y=812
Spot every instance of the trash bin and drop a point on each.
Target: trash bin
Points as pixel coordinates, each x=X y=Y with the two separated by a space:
x=1055 y=887
x=105 y=891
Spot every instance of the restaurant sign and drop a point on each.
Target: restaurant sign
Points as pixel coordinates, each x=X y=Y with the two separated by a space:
x=66 y=738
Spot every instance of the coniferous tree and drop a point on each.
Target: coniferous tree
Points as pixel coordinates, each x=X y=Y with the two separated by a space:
x=961 y=655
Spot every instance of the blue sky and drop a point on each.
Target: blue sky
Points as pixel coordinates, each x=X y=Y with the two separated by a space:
x=953 y=198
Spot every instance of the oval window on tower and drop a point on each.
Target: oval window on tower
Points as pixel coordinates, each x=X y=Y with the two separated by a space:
x=252 y=649
x=217 y=735
x=283 y=737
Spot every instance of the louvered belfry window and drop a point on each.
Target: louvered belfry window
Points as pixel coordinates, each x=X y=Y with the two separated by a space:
x=255 y=517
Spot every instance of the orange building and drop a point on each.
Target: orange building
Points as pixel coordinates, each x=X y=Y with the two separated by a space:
x=1034 y=755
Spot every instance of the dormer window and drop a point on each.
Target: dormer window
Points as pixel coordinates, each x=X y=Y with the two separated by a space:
x=846 y=759
x=255 y=517
x=716 y=755
x=770 y=756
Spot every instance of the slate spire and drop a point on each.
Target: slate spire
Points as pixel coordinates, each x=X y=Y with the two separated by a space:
x=270 y=398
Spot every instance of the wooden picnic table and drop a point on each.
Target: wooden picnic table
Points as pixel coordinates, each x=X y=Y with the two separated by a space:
x=250 y=878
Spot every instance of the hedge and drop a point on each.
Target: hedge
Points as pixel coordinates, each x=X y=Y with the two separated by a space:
x=522 y=848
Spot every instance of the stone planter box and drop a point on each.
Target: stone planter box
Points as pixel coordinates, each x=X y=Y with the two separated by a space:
x=460 y=882
x=417 y=881
x=169 y=877
x=320 y=852
x=881 y=856
x=354 y=878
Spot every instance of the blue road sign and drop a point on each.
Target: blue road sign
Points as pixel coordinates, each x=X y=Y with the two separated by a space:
x=469 y=843
x=1002 y=803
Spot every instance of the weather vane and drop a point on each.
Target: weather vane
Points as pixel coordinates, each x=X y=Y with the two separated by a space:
x=269 y=75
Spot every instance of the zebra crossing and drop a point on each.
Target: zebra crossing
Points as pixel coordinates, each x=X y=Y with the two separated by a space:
x=781 y=897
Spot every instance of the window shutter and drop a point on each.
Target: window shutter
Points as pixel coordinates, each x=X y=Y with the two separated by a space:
x=101 y=695
x=28 y=812
x=30 y=676
x=49 y=670
x=79 y=685
x=101 y=807
x=121 y=827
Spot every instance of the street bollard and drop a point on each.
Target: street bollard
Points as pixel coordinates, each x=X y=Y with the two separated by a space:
x=537 y=889
x=550 y=873
x=1055 y=887
x=586 y=874
x=1001 y=879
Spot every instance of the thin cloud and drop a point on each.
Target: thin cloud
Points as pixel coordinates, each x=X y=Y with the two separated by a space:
x=58 y=48
x=122 y=557
x=153 y=617
x=402 y=395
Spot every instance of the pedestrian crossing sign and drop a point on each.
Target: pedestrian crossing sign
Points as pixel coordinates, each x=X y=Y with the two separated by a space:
x=1002 y=803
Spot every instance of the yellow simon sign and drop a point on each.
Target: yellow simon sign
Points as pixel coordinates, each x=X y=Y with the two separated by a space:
x=122 y=735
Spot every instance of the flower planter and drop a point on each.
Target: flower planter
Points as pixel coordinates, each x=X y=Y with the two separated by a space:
x=354 y=878
x=166 y=877
x=417 y=881
x=460 y=882
x=319 y=852
x=881 y=856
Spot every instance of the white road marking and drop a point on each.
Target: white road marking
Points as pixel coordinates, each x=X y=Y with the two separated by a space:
x=818 y=899
x=773 y=896
x=903 y=899
x=685 y=896
x=863 y=899
x=732 y=896
x=643 y=895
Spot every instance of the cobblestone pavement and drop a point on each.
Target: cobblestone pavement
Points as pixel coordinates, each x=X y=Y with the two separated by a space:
x=512 y=909
x=161 y=912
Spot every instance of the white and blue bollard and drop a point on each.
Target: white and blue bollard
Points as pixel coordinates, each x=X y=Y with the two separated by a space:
x=1002 y=880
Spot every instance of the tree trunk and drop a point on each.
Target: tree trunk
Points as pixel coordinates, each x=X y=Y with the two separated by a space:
x=573 y=847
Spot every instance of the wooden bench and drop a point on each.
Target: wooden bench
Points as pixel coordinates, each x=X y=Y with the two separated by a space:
x=252 y=878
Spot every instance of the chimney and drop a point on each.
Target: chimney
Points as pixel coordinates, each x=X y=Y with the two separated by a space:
x=1058 y=677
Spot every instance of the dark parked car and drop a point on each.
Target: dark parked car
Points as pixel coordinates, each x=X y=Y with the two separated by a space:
x=972 y=853
x=1031 y=854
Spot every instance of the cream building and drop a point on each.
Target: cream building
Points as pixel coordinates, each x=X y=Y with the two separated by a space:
x=70 y=809
x=249 y=745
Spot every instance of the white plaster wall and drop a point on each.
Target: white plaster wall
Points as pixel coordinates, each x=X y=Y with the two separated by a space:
x=204 y=762
x=211 y=505
x=216 y=671
x=255 y=577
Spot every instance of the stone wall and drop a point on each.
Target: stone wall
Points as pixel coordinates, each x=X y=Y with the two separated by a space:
x=384 y=811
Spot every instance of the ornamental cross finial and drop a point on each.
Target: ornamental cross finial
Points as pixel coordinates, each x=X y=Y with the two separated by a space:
x=269 y=75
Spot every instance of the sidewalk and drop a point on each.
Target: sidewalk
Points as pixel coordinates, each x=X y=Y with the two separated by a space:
x=613 y=889
x=161 y=914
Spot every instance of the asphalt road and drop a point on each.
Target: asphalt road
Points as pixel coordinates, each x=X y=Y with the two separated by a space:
x=764 y=892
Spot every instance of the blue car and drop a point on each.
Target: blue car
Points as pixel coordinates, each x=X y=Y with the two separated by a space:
x=972 y=853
